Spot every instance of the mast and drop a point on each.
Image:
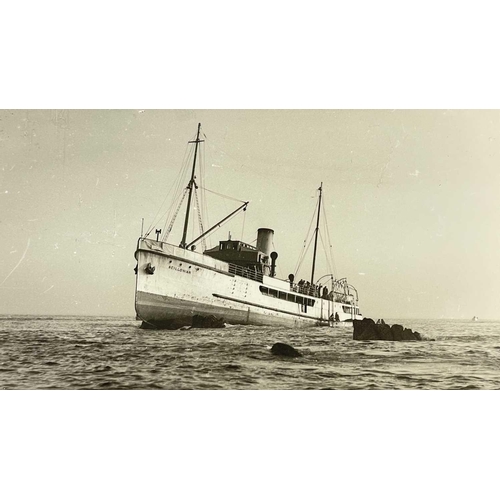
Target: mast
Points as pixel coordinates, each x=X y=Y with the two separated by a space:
x=316 y=236
x=190 y=187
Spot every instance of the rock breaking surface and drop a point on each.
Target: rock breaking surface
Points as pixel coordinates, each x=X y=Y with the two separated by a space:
x=210 y=321
x=280 y=349
x=367 y=329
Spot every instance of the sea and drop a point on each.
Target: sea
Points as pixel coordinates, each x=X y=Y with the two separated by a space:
x=111 y=353
x=256 y=426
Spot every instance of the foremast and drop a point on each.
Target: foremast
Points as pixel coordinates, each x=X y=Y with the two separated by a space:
x=316 y=235
x=190 y=185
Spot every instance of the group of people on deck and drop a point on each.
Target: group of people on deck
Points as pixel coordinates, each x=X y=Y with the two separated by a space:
x=310 y=289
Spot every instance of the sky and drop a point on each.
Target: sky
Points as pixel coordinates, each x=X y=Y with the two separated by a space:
x=410 y=198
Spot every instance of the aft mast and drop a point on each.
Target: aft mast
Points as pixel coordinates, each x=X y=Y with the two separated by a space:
x=316 y=235
x=190 y=187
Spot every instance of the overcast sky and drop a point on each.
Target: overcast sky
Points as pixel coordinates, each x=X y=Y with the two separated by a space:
x=411 y=199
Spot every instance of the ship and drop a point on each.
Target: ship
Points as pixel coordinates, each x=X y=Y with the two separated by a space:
x=234 y=282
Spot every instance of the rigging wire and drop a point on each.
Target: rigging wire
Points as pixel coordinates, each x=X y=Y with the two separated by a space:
x=203 y=198
x=200 y=221
x=223 y=224
x=179 y=176
x=300 y=263
x=304 y=250
x=200 y=182
x=223 y=195
x=243 y=227
x=185 y=173
x=171 y=225
x=204 y=190
x=167 y=215
x=181 y=179
x=174 y=208
x=178 y=192
x=328 y=263
x=216 y=147
x=175 y=203
x=330 y=246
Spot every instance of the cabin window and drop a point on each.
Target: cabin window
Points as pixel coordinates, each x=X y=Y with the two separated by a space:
x=290 y=297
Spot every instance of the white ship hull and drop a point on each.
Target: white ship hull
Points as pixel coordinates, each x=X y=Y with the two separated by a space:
x=174 y=284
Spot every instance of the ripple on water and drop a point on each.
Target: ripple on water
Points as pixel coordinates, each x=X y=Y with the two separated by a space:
x=113 y=353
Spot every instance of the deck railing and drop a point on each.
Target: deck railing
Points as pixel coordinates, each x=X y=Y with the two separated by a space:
x=246 y=272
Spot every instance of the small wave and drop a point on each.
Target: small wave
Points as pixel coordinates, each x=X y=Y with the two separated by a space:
x=106 y=368
x=106 y=384
x=153 y=386
x=231 y=367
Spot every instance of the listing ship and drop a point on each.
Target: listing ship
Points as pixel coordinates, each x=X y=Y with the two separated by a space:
x=234 y=281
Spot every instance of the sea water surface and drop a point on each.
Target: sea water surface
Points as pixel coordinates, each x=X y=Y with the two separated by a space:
x=70 y=352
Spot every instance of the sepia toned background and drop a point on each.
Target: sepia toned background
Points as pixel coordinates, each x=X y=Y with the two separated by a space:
x=411 y=198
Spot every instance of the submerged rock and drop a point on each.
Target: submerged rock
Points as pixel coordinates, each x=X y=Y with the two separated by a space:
x=367 y=329
x=280 y=349
x=210 y=321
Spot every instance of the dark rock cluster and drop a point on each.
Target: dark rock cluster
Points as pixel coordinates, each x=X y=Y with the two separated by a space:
x=209 y=321
x=367 y=329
